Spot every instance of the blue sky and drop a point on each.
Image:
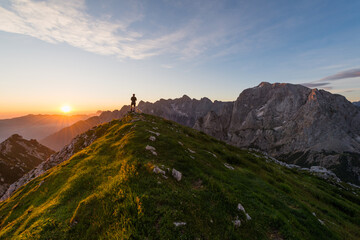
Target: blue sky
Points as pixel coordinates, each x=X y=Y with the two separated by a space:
x=95 y=54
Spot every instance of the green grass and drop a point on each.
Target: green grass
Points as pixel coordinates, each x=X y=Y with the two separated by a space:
x=109 y=191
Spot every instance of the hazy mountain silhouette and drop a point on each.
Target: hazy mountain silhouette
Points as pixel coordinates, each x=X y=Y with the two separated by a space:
x=60 y=138
x=36 y=126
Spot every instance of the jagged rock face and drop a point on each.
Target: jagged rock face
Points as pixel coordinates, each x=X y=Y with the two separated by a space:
x=78 y=143
x=17 y=157
x=298 y=124
x=287 y=118
x=183 y=110
x=292 y=122
x=216 y=123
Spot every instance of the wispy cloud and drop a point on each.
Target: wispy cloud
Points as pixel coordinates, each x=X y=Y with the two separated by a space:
x=326 y=81
x=167 y=66
x=66 y=21
x=351 y=73
x=210 y=27
x=315 y=84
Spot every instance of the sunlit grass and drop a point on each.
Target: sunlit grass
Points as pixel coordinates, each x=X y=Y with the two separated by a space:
x=108 y=191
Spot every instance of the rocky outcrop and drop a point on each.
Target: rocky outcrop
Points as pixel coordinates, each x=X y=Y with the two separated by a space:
x=184 y=110
x=296 y=124
x=78 y=143
x=17 y=157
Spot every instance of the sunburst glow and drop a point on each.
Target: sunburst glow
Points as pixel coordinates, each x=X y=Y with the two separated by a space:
x=66 y=109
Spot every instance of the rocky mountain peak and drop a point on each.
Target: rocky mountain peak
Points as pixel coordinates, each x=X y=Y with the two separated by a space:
x=17 y=157
x=185 y=98
x=15 y=137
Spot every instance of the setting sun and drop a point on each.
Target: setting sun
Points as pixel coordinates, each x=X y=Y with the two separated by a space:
x=65 y=109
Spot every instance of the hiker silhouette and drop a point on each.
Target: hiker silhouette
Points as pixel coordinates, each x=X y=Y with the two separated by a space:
x=133 y=103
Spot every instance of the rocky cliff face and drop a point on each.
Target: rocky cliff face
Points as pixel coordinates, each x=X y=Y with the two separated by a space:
x=17 y=157
x=184 y=110
x=298 y=125
x=291 y=122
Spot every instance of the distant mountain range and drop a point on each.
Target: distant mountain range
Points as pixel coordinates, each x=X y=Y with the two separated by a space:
x=36 y=126
x=64 y=136
x=17 y=157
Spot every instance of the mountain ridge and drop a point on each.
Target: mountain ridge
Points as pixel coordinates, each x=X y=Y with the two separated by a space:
x=297 y=124
x=64 y=136
x=147 y=177
x=17 y=157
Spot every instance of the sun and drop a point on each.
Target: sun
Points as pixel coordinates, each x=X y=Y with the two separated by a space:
x=65 y=109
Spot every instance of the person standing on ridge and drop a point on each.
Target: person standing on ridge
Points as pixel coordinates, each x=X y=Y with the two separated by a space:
x=133 y=103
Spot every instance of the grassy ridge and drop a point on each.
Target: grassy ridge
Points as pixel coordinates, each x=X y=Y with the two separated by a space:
x=109 y=191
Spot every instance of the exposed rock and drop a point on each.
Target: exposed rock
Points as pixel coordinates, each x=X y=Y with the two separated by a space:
x=191 y=151
x=213 y=154
x=323 y=173
x=178 y=224
x=151 y=149
x=155 y=133
x=176 y=174
x=181 y=143
x=152 y=138
x=17 y=157
x=158 y=170
x=237 y=222
x=229 y=166
x=296 y=124
x=78 y=143
x=242 y=209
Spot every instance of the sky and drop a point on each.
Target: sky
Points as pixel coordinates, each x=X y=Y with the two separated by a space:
x=93 y=55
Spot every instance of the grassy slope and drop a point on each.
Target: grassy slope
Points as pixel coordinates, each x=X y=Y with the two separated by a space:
x=108 y=191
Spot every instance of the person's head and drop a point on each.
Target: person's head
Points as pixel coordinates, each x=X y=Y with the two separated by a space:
x=133 y=94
